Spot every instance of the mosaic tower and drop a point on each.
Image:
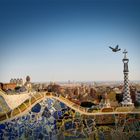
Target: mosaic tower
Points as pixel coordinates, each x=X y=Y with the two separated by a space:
x=127 y=101
x=138 y=96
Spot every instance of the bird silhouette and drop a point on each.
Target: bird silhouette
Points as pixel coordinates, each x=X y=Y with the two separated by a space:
x=116 y=49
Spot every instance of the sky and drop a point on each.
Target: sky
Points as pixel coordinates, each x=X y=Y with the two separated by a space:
x=61 y=40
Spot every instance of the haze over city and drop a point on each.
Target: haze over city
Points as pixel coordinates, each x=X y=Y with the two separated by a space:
x=68 y=40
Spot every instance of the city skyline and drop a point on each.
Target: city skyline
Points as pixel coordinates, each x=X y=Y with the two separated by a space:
x=69 y=40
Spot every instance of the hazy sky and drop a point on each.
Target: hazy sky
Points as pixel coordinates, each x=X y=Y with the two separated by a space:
x=55 y=40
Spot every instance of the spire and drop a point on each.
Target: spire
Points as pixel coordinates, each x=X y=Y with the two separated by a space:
x=127 y=101
x=125 y=52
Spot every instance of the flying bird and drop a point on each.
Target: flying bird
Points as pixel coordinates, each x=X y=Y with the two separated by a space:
x=116 y=49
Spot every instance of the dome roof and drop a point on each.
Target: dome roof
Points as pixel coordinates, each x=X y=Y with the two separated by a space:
x=28 y=79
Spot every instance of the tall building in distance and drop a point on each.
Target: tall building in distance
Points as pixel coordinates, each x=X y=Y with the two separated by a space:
x=18 y=82
x=127 y=101
x=28 y=84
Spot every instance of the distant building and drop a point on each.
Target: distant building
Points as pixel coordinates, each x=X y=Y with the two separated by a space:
x=1 y=85
x=21 y=81
x=138 y=96
x=18 y=82
x=28 y=79
x=28 y=84
x=7 y=86
x=14 y=81
x=54 y=88
x=105 y=102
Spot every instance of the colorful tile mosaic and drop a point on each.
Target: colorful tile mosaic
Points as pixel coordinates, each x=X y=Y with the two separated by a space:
x=53 y=120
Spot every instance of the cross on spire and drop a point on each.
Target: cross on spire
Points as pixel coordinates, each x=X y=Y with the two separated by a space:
x=125 y=52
